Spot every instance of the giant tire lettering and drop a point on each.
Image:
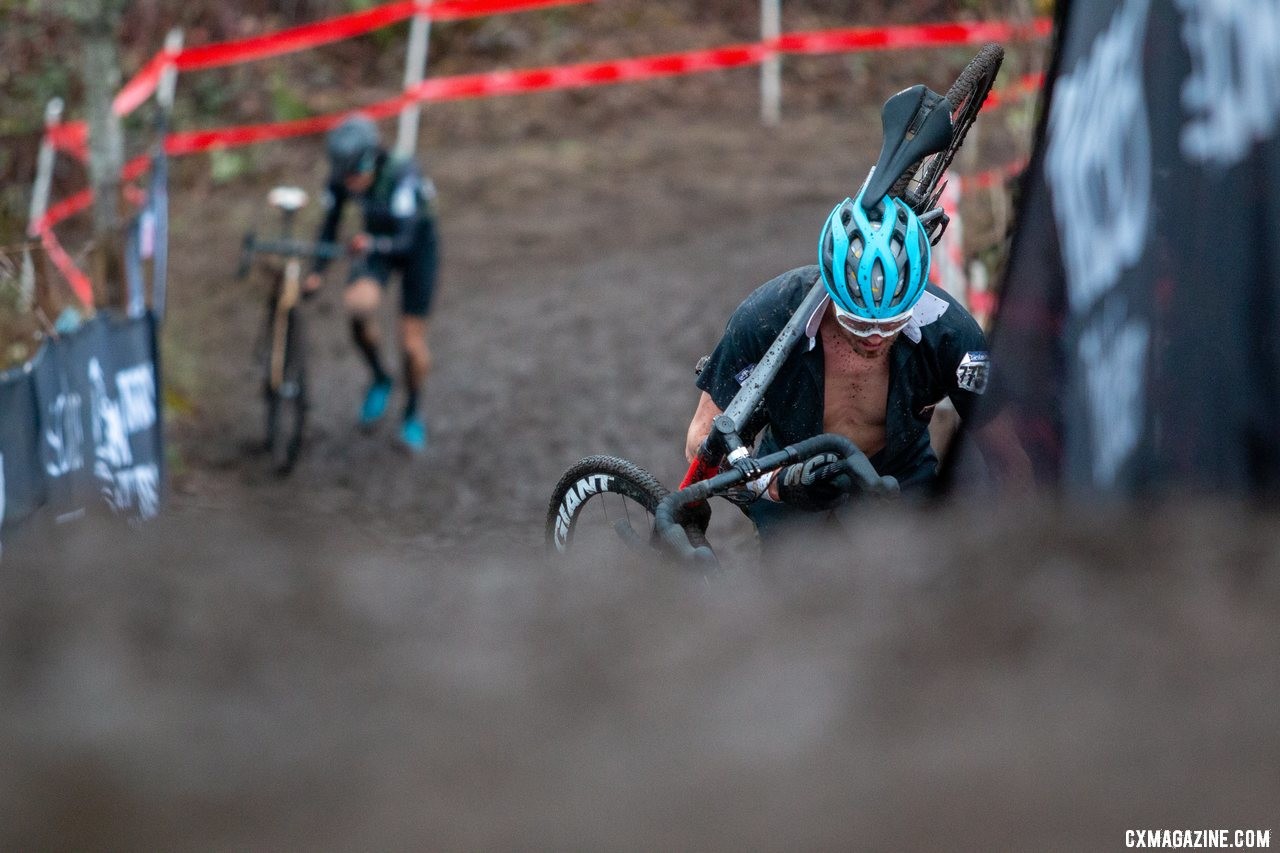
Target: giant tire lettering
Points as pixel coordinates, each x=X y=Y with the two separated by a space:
x=592 y=477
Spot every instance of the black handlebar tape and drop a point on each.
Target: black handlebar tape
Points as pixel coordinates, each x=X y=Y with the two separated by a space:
x=859 y=468
x=855 y=462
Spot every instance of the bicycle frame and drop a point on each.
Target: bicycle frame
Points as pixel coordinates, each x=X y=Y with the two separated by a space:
x=289 y=287
x=724 y=439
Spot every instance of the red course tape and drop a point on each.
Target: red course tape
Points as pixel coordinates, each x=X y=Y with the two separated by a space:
x=79 y=282
x=348 y=26
x=142 y=86
x=911 y=35
x=1028 y=84
x=77 y=202
x=583 y=75
x=71 y=137
x=70 y=206
x=991 y=177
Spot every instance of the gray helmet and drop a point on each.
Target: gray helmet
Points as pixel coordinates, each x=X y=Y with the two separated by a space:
x=353 y=146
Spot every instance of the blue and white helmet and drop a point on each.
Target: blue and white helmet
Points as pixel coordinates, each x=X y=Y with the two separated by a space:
x=875 y=263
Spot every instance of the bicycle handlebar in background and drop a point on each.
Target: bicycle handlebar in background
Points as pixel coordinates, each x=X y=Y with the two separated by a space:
x=285 y=247
x=854 y=463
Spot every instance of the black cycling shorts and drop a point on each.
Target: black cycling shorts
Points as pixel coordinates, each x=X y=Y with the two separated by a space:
x=417 y=269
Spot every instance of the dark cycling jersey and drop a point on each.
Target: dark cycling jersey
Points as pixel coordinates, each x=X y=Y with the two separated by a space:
x=397 y=211
x=941 y=353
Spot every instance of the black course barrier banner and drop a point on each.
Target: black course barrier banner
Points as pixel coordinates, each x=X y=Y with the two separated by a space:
x=1137 y=349
x=22 y=487
x=79 y=425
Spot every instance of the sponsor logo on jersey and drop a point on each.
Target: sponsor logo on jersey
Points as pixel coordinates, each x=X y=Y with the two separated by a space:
x=972 y=373
x=404 y=202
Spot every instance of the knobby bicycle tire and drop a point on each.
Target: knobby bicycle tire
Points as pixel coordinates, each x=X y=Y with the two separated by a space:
x=919 y=185
x=587 y=482
x=287 y=402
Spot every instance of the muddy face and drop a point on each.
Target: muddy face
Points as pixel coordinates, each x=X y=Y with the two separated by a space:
x=873 y=347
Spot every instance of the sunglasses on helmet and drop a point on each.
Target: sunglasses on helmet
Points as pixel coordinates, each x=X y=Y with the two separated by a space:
x=861 y=327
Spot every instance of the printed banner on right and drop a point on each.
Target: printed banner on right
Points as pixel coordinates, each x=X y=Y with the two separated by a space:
x=1137 y=347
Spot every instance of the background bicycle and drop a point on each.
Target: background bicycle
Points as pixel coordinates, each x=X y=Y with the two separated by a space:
x=283 y=352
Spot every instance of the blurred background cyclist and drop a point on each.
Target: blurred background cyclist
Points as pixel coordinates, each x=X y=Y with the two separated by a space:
x=399 y=235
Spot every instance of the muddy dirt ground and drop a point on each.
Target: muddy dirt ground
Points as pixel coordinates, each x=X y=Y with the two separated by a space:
x=373 y=653
x=584 y=273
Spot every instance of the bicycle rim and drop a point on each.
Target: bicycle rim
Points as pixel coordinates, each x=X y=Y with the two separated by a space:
x=603 y=508
x=919 y=187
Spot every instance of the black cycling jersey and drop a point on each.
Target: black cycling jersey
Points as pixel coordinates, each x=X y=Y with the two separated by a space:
x=394 y=207
x=941 y=353
x=397 y=211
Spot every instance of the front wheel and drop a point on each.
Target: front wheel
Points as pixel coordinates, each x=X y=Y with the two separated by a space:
x=603 y=505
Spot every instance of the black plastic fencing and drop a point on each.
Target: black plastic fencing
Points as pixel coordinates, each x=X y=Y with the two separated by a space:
x=80 y=425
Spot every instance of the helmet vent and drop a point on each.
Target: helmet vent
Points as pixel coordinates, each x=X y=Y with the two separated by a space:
x=864 y=259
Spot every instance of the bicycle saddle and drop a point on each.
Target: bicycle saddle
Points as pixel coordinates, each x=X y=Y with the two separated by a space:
x=917 y=123
x=287 y=198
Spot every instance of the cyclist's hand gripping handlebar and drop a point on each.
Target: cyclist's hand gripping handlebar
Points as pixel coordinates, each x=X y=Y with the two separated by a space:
x=818 y=483
x=854 y=463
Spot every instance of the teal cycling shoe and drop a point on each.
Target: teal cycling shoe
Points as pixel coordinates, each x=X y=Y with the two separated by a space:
x=413 y=434
x=375 y=402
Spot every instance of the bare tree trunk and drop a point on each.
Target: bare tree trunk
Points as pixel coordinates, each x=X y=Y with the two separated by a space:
x=99 y=24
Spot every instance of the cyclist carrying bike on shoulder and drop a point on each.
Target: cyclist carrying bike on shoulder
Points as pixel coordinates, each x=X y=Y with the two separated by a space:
x=878 y=354
x=399 y=235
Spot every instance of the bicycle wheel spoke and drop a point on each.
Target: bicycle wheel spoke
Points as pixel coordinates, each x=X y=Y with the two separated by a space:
x=628 y=535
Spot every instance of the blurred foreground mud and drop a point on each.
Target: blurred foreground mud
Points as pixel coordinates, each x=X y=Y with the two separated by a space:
x=1038 y=679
